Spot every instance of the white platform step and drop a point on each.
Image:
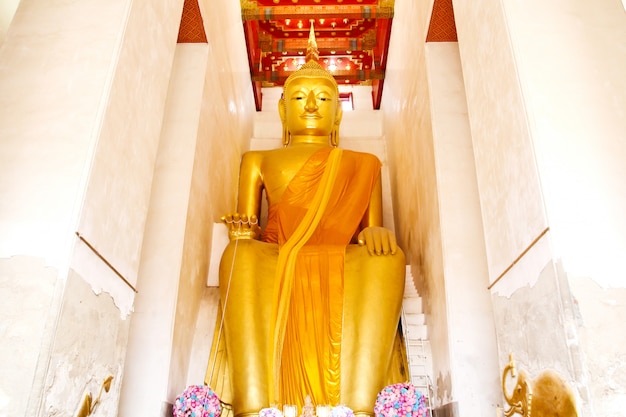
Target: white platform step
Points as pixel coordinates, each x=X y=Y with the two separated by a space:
x=416 y=338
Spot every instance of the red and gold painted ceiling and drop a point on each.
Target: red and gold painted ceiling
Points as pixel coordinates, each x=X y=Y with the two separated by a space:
x=352 y=37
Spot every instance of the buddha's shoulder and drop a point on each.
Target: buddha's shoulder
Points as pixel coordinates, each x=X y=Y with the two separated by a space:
x=259 y=155
x=362 y=156
x=279 y=153
x=272 y=158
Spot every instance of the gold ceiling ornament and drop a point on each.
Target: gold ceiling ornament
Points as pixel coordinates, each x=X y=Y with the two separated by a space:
x=385 y=9
x=249 y=9
x=369 y=39
x=265 y=42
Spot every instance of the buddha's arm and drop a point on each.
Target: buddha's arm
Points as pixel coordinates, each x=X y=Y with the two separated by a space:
x=374 y=213
x=377 y=239
x=250 y=184
x=244 y=224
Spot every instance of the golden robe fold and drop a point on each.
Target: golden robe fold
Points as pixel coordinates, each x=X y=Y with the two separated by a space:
x=318 y=215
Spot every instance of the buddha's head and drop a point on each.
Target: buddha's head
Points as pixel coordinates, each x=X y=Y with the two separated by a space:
x=310 y=103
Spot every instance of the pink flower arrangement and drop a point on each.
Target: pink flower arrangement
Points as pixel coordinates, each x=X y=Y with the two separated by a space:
x=400 y=400
x=197 y=401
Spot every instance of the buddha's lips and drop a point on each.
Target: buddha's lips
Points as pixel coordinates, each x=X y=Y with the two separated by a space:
x=311 y=116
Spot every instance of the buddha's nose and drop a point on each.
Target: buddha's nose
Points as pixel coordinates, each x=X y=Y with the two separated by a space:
x=311 y=102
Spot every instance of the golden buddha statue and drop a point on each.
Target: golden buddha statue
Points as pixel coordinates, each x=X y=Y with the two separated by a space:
x=311 y=305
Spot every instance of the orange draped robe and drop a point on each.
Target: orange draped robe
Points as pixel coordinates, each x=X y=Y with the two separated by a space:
x=318 y=215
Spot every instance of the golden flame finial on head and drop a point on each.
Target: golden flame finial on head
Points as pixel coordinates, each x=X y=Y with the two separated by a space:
x=312 y=68
x=312 y=53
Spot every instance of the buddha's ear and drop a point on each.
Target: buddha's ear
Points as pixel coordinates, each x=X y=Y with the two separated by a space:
x=339 y=113
x=281 y=109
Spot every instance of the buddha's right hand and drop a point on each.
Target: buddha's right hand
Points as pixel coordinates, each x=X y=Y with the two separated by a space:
x=240 y=226
x=378 y=240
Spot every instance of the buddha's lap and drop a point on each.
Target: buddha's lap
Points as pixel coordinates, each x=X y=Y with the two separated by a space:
x=256 y=259
x=373 y=290
x=248 y=270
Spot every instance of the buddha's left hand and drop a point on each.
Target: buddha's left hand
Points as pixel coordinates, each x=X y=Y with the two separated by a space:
x=378 y=240
x=240 y=226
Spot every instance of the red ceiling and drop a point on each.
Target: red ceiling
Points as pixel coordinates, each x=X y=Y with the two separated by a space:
x=352 y=37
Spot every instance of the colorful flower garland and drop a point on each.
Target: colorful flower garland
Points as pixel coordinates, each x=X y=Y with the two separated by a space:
x=400 y=400
x=197 y=401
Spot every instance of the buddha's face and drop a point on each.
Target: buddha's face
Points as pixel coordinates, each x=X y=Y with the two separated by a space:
x=311 y=106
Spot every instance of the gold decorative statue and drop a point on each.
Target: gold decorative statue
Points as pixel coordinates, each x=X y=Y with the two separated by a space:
x=311 y=306
x=546 y=396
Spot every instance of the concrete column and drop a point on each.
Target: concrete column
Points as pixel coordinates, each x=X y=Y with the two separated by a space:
x=472 y=337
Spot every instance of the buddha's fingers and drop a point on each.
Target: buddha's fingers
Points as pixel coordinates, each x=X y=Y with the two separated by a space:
x=385 y=242
x=378 y=240
x=365 y=239
x=393 y=243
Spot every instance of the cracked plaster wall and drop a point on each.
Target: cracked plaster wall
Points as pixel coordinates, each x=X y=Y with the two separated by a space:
x=89 y=345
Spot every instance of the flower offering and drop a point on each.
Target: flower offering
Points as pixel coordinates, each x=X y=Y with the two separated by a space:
x=270 y=412
x=341 y=411
x=400 y=400
x=197 y=401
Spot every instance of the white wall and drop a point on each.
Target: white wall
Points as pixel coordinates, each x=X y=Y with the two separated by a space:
x=53 y=74
x=546 y=104
x=569 y=58
x=7 y=11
